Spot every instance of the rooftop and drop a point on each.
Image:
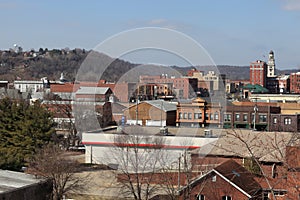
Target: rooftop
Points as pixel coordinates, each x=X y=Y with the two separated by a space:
x=266 y=146
x=161 y=104
x=92 y=90
x=10 y=180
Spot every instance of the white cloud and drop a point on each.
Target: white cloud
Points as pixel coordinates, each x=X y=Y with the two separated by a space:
x=291 y=5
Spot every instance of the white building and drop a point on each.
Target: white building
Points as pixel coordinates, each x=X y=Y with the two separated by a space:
x=31 y=86
x=110 y=149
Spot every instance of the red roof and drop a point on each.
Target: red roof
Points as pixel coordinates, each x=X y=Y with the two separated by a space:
x=71 y=87
x=67 y=87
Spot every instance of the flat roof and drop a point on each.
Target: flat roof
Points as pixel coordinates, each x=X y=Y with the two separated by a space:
x=10 y=180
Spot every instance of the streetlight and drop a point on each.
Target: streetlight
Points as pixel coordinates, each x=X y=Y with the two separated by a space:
x=255 y=111
x=254 y=120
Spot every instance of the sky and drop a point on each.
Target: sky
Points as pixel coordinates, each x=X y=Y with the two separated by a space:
x=233 y=32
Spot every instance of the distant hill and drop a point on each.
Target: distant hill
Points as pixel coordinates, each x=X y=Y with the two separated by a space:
x=51 y=63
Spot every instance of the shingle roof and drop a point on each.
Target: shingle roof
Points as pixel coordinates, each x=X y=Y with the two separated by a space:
x=239 y=176
x=234 y=174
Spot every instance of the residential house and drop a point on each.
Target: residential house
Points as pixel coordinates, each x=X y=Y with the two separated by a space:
x=227 y=181
x=272 y=157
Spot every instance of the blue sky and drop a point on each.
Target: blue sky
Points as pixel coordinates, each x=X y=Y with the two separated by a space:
x=233 y=32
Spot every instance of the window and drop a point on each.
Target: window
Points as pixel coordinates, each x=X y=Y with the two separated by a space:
x=198 y=116
x=227 y=117
x=226 y=197
x=245 y=117
x=184 y=115
x=189 y=115
x=211 y=116
x=279 y=193
x=214 y=178
x=287 y=120
x=206 y=116
x=265 y=196
x=200 y=197
x=237 y=117
x=262 y=118
x=180 y=115
x=216 y=116
x=275 y=120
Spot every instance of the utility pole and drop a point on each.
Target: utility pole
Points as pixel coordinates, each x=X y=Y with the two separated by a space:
x=179 y=160
x=161 y=108
x=136 y=110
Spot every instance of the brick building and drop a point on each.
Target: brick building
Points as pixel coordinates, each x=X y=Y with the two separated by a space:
x=198 y=113
x=285 y=122
x=295 y=82
x=184 y=88
x=258 y=73
x=212 y=81
x=277 y=153
x=246 y=114
x=227 y=181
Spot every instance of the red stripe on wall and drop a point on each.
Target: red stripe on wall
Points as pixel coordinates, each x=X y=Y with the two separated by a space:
x=151 y=146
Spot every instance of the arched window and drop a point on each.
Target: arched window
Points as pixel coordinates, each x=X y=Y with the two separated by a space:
x=275 y=120
x=287 y=120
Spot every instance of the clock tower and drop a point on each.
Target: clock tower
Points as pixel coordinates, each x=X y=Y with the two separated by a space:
x=271 y=65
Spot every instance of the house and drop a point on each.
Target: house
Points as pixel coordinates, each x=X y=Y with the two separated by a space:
x=227 y=181
x=272 y=157
x=151 y=113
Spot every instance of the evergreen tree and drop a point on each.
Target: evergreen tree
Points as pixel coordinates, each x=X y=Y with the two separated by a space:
x=24 y=129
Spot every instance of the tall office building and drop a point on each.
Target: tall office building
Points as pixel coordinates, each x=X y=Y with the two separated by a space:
x=258 y=73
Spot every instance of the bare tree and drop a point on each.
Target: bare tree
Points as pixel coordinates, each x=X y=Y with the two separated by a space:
x=258 y=148
x=51 y=162
x=138 y=165
x=63 y=112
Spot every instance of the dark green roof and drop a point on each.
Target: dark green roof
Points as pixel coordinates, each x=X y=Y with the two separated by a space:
x=256 y=88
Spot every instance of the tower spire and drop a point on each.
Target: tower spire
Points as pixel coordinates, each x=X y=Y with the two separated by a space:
x=271 y=65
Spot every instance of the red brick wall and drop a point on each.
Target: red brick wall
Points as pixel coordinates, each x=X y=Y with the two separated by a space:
x=214 y=190
x=295 y=83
